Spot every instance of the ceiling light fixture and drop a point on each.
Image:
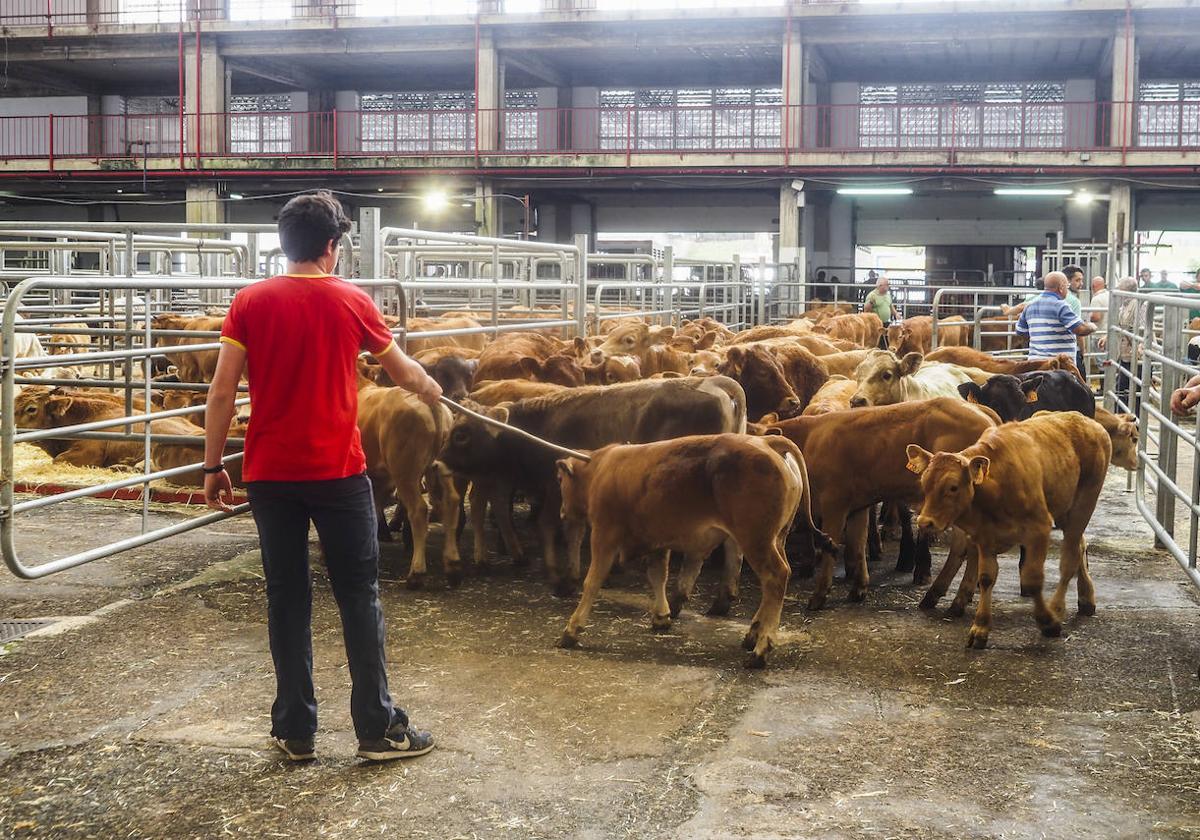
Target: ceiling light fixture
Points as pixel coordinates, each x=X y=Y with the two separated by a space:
x=875 y=191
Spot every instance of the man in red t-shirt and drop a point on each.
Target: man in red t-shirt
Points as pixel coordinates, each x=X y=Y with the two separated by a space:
x=297 y=338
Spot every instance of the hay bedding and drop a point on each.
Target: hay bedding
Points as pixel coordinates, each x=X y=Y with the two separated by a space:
x=33 y=466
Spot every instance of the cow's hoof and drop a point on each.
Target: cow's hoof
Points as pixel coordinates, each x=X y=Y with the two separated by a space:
x=454 y=578
x=660 y=624
x=1087 y=609
x=720 y=607
x=564 y=589
x=756 y=662
x=750 y=640
x=568 y=642
x=956 y=609
x=977 y=638
x=816 y=601
x=1052 y=630
x=929 y=601
x=856 y=596
x=921 y=578
x=415 y=581
x=676 y=602
x=905 y=564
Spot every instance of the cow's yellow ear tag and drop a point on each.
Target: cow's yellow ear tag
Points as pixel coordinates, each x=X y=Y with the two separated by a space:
x=1031 y=397
x=913 y=468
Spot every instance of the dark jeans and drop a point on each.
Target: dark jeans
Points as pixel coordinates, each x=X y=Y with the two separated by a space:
x=344 y=512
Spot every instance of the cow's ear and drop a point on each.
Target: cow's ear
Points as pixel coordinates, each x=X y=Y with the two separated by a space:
x=767 y=419
x=736 y=355
x=918 y=458
x=1127 y=428
x=1030 y=388
x=531 y=367
x=59 y=406
x=1055 y=363
x=580 y=344
x=910 y=363
x=662 y=335
x=472 y=366
x=978 y=468
x=707 y=340
x=672 y=374
x=969 y=391
x=565 y=470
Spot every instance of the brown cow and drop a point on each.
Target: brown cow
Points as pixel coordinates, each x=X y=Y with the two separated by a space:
x=998 y=333
x=582 y=418
x=968 y=357
x=511 y=390
x=1123 y=433
x=863 y=329
x=912 y=335
x=450 y=321
x=805 y=372
x=401 y=438
x=435 y=354
x=856 y=459
x=525 y=355
x=834 y=396
x=690 y=495
x=768 y=331
x=1010 y=488
x=649 y=345
x=845 y=363
x=196 y=366
x=612 y=369
x=767 y=389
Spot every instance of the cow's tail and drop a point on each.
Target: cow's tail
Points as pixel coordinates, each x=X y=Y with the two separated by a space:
x=737 y=398
x=793 y=458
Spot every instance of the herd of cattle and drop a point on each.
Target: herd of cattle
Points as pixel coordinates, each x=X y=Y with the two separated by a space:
x=778 y=444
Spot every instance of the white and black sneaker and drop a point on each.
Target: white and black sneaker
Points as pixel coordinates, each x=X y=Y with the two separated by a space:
x=397 y=742
x=297 y=749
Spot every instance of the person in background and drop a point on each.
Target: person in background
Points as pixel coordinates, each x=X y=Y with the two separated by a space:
x=1050 y=322
x=879 y=301
x=1191 y=287
x=821 y=290
x=1099 y=305
x=298 y=337
x=1146 y=282
x=1127 y=319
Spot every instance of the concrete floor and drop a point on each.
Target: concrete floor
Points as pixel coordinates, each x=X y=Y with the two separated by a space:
x=871 y=720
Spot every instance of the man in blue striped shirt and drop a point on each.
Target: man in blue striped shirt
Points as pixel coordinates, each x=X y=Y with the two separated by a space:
x=1051 y=323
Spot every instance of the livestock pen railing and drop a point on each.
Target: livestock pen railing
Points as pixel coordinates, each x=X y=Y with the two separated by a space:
x=1146 y=362
x=127 y=350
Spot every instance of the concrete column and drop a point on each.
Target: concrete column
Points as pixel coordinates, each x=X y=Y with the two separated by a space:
x=349 y=120
x=489 y=212
x=204 y=207
x=1121 y=228
x=1124 y=86
x=491 y=93
x=795 y=74
x=206 y=91
x=791 y=220
x=315 y=133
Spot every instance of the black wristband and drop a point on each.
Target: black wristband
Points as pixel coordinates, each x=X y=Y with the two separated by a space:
x=219 y=468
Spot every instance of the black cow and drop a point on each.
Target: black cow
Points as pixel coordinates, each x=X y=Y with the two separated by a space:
x=583 y=418
x=454 y=374
x=1019 y=397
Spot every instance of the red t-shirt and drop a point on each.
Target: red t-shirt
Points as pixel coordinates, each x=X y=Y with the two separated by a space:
x=302 y=336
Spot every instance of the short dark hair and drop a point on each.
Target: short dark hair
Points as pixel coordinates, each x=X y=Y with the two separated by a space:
x=1071 y=270
x=308 y=223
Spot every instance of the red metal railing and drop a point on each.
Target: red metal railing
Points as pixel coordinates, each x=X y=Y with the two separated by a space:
x=632 y=133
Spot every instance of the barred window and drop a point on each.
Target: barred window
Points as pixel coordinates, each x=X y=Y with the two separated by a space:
x=988 y=116
x=414 y=122
x=1168 y=114
x=520 y=121
x=260 y=124
x=150 y=127
x=661 y=119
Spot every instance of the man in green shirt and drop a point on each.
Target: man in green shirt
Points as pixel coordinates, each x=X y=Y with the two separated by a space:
x=879 y=301
x=1191 y=287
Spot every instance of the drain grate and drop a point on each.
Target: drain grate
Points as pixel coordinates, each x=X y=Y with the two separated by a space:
x=15 y=628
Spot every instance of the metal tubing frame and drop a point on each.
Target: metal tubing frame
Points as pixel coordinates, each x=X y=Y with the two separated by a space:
x=1153 y=405
x=9 y=435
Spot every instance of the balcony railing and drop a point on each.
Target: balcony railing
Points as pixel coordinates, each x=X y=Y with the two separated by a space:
x=629 y=132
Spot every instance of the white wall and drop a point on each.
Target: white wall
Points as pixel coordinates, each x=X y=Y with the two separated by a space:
x=956 y=220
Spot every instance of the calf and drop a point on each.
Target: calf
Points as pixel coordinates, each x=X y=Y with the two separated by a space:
x=856 y=459
x=843 y=363
x=610 y=370
x=195 y=366
x=863 y=329
x=649 y=345
x=1009 y=489
x=884 y=379
x=912 y=335
x=1122 y=432
x=453 y=373
x=581 y=418
x=969 y=357
x=690 y=495
x=504 y=357
x=762 y=378
x=804 y=371
x=401 y=438
x=835 y=395
x=1018 y=397
x=415 y=344
x=511 y=390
